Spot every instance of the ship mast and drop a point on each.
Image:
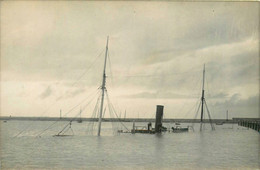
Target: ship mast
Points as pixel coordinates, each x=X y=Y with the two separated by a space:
x=103 y=87
x=202 y=98
x=203 y=102
x=227 y=115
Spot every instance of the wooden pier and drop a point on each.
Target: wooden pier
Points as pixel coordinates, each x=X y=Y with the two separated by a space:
x=252 y=124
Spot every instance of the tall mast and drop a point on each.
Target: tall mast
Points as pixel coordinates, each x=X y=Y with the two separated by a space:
x=80 y=112
x=202 y=97
x=227 y=115
x=103 y=87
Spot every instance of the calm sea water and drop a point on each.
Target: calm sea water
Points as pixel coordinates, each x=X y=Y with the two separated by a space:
x=228 y=147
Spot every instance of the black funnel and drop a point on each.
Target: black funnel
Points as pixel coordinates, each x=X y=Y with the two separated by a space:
x=159 y=117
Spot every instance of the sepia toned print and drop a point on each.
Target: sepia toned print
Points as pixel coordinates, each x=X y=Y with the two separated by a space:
x=129 y=85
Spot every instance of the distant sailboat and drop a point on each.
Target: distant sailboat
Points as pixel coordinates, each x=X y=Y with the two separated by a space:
x=227 y=116
x=221 y=123
x=125 y=115
x=80 y=120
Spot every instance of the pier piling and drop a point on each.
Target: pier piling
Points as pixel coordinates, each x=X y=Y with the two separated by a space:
x=255 y=125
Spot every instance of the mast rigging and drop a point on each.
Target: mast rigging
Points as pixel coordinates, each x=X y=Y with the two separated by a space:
x=203 y=101
x=103 y=88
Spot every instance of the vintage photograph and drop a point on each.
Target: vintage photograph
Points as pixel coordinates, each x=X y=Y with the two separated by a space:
x=122 y=85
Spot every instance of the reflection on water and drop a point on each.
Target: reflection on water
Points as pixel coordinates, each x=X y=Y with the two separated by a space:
x=230 y=146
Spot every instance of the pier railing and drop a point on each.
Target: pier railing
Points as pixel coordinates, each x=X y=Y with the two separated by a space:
x=255 y=125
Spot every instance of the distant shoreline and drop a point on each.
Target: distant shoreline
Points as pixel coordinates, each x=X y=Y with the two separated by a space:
x=233 y=120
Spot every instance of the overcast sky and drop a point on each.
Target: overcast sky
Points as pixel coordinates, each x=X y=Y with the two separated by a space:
x=52 y=56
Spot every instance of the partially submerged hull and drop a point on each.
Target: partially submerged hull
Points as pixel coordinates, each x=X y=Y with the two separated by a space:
x=179 y=129
x=220 y=123
x=143 y=131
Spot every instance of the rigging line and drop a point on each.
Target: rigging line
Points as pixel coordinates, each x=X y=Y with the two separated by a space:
x=67 y=131
x=91 y=123
x=192 y=108
x=115 y=102
x=111 y=115
x=94 y=124
x=30 y=125
x=90 y=66
x=83 y=108
x=191 y=96
x=170 y=74
x=197 y=83
x=114 y=127
x=103 y=116
x=209 y=94
x=159 y=76
x=64 y=128
x=115 y=112
x=196 y=114
x=110 y=68
x=61 y=95
x=94 y=115
x=77 y=106
x=110 y=110
x=72 y=131
x=197 y=110
x=212 y=126
x=77 y=115
x=64 y=115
